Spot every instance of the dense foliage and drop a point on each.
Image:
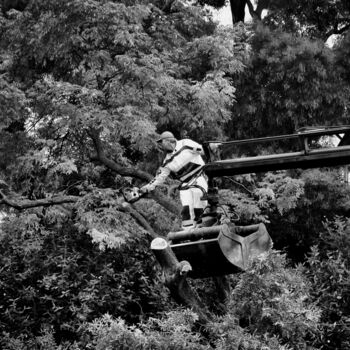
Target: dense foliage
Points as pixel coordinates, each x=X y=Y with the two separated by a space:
x=291 y=82
x=84 y=88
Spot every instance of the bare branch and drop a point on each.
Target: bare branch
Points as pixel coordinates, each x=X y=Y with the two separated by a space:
x=22 y=204
x=239 y=184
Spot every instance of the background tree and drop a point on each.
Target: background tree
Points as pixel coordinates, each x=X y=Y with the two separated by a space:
x=85 y=86
x=291 y=82
x=319 y=19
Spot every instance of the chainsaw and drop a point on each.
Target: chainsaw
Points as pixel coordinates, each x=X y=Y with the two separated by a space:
x=132 y=194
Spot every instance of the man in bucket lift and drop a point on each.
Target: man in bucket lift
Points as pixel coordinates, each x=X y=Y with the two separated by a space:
x=184 y=162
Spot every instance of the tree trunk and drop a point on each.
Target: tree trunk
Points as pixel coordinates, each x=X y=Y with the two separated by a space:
x=223 y=290
x=237 y=10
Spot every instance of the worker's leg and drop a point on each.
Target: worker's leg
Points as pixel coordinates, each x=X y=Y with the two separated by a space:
x=187 y=213
x=198 y=204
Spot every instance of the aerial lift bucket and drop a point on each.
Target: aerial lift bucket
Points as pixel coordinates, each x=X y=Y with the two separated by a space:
x=219 y=250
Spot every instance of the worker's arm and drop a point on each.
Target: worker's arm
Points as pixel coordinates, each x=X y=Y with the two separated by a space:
x=159 y=179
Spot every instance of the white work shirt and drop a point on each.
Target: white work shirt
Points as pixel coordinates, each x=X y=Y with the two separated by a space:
x=183 y=163
x=185 y=157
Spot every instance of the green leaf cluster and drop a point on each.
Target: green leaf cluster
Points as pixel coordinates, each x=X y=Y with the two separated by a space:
x=54 y=277
x=272 y=298
x=328 y=271
x=291 y=81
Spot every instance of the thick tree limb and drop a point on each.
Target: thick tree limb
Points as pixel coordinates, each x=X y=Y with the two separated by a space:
x=128 y=208
x=46 y=202
x=175 y=274
x=165 y=202
x=22 y=204
x=124 y=171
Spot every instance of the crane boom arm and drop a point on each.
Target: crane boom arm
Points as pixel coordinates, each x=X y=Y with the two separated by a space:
x=305 y=158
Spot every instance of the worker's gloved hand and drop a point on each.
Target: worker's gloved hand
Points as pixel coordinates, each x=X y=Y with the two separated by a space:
x=144 y=189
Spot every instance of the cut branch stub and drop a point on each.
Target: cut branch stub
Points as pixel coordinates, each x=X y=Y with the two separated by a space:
x=165 y=255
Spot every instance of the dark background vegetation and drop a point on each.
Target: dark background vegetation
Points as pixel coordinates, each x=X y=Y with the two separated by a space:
x=84 y=88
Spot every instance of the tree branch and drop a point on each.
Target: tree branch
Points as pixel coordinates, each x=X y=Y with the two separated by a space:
x=44 y=202
x=175 y=278
x=239 y=184
x=124 y=171
x=251 y=9
x=165 y=202
x=22 y=204
x=256 y=14
x=128 y=208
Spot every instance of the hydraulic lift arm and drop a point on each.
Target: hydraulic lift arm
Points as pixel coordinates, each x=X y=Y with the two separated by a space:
x=305 y=158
